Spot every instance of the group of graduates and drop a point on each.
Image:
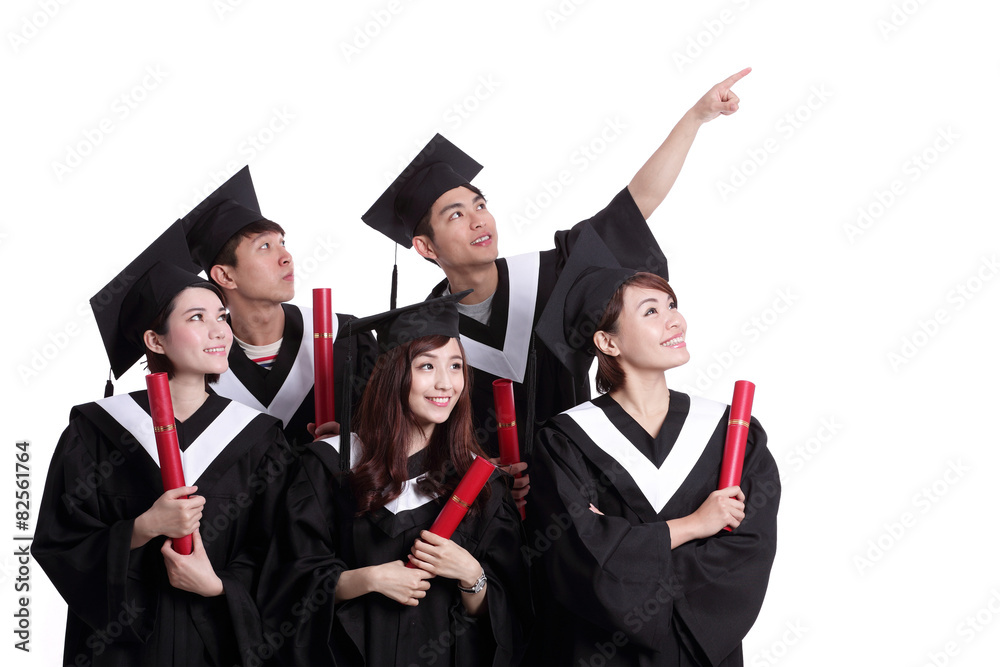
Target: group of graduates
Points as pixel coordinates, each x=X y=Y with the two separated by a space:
x=310 y=540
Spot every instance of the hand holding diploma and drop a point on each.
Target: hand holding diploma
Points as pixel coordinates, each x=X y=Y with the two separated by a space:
x=167 y=448
x=192 y=573
x=736 y=436
x=510 y=451
x=458 y=505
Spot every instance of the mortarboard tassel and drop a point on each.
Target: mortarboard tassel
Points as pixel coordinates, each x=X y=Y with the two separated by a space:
x=109 y=389
x=395 y=279
x=348 y=393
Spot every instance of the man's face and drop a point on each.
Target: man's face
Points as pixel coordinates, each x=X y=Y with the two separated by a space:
x=264 y=269
x=464 y=231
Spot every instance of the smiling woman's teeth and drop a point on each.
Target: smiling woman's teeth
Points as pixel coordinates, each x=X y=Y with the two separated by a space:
x=480 y=240
x=439 y=401
x=673 y=341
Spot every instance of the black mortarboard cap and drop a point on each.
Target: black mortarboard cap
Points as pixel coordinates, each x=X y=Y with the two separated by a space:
x=439 y=167
x=128 y=304
x=435 y=317
x=582 y=293
x=225 y=212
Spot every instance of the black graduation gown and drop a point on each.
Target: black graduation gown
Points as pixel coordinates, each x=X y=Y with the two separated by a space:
x=502 y=349
x=612 y=586
x=104 y=474
x=319 y=538
x=285 y=390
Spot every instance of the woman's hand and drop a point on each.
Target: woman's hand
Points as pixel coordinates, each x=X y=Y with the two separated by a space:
x=397 y=582
x=172 y=515
x=722 y=508
x=522 y=484
x=323 y=431
x=193 y=573
x=443 y=558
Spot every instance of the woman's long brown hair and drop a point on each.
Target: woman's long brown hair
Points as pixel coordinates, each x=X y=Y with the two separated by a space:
x=384 y=422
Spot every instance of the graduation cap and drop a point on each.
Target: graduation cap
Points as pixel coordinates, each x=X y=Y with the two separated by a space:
x=126 y=306
x=589 y=279
x=440 y=166
x=225 y=212
x=435 y=317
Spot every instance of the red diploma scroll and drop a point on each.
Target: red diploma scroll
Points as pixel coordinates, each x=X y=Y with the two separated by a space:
x=323 y=355
x=736 y=435
x=503 y=401
x=460 y=502
x=167 y=449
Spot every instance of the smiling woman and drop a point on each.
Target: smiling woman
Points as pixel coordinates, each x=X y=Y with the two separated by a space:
x=190 y=336
x=106 y=541
x=647 y=571
x=350 y=529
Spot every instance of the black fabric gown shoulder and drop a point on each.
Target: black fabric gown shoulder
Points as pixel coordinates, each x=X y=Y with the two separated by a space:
x=503 y=348
x=285 y=390
x=104 y=474
x=610 y=585
x=319 y=538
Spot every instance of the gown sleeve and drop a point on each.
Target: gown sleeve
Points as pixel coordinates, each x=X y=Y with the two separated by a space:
x=605 y=567
x=241 y=574
x=721 y=580
x=302 y=569
x=87 y=557
x=625 y=232
x=598 y=566
x=508 y=597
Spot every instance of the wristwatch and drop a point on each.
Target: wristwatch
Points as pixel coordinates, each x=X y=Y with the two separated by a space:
x=478 y=586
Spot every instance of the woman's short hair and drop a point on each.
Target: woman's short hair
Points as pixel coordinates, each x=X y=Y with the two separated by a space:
x=610 y=375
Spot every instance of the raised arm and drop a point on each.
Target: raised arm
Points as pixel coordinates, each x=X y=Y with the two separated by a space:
x=651 y=184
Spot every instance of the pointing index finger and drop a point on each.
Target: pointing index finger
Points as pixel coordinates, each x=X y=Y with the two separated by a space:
x=731 y=81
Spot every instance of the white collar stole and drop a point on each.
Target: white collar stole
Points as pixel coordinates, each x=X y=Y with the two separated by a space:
x=200 y=453
x=658 y=485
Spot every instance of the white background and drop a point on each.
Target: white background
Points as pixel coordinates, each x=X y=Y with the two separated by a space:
x=888 y=516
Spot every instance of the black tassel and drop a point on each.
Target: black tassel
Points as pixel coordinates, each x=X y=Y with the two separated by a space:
x=109 y=389
x=395 y=287
x=345 y=420
x=395 y=277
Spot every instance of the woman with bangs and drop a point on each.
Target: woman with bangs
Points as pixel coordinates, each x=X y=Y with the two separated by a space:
x=642 y=571
x=106 y=526
x=337 y=588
